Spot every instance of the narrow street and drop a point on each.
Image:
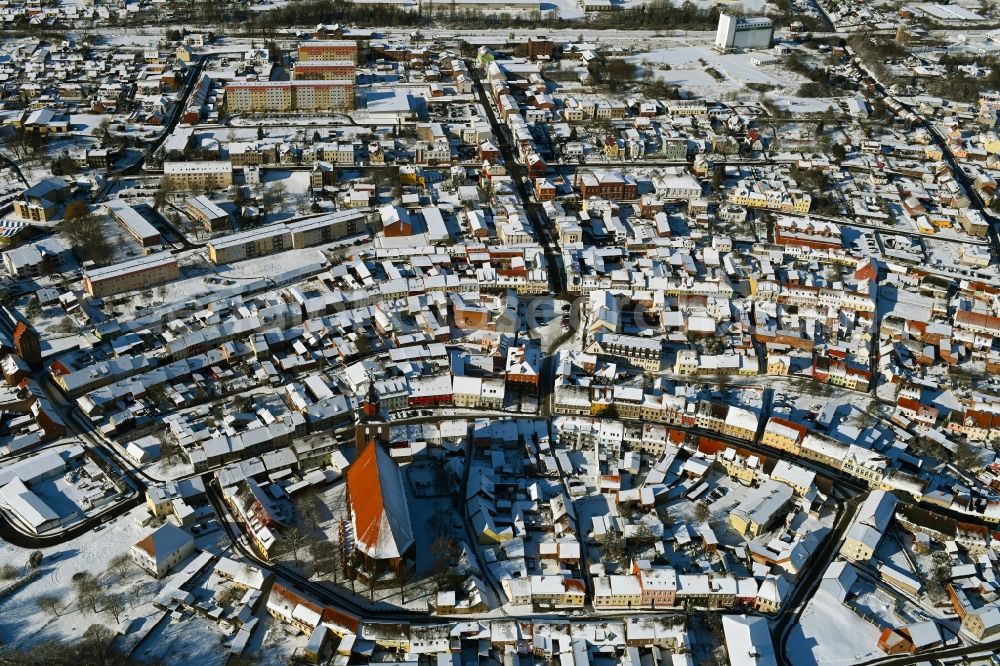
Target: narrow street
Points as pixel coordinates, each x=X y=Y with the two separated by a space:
x=809 y=580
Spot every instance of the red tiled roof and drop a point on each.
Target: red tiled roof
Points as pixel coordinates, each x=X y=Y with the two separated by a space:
x=378 y=503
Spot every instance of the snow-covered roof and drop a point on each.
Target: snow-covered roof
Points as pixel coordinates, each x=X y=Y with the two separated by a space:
x=838 y=579
x=748 y=641
x=164 y=542
x=877 y=510
x=243 y=574
x=26 y=505
x=741 y=418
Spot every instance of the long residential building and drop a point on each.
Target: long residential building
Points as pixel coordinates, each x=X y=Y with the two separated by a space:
x=212 y=175
x=202 y=209
x=295 y=235
x=133 y=222
x=342 y=49
x=289 y=96
x=324 y=70
x=643 y=353
x=138 y=273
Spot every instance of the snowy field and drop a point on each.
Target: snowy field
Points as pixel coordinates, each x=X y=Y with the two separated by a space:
x=23 y=622
x=295 y=182
x=187 y=639
x=795 y=105
x=830 y=634
x=688 y=63
x=87 y=123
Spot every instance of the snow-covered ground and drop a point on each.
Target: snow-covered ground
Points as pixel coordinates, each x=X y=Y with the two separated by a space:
x=688 y=64
x=794 y=104
x=830 y=634
x=87 y=123
x=191 y=640
x=22 y=622
x=295 y=182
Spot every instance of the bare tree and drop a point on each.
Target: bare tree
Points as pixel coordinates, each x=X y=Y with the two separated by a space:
x=292 y=541
x=326 y=557
x=121 y=565
x=274 y=195
x=404 y=576
x=86 y=235
x=310 y=509
x=446 y=553
x=162 y=194
x=88 y=590
x=104 y=129
x=49 y=603
x=96 y=645
x=66 y=325
x=114 y=605
x=171 y=452
x=135 y=593
x=337 y=504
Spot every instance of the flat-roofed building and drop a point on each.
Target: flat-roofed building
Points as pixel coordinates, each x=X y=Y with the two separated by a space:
x=327 y=228
x=202 y=209
x=289 y=96
x=737 y=32
x=138 y=273
x=247 y=244
x=324 y=70
x=279 y=237
x=259 y=96
x=212 y=175
x=134 y=223
x=334 y=49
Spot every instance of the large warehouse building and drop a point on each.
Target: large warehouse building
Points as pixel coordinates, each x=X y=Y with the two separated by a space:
x=736 y=32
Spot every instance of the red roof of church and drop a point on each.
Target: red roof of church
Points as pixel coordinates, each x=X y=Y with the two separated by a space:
x=379 y=511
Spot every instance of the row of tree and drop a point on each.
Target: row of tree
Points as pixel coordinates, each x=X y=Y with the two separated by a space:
x=655 y=15
x=90 y=592
x=95 y=647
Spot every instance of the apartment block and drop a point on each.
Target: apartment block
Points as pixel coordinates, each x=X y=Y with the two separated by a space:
x=131 y=275
x=324 y=70
x=254 y=243
x=212 y=175
x=202 y=209
x=279 y=237
x=289 y=96
x=328 y=50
